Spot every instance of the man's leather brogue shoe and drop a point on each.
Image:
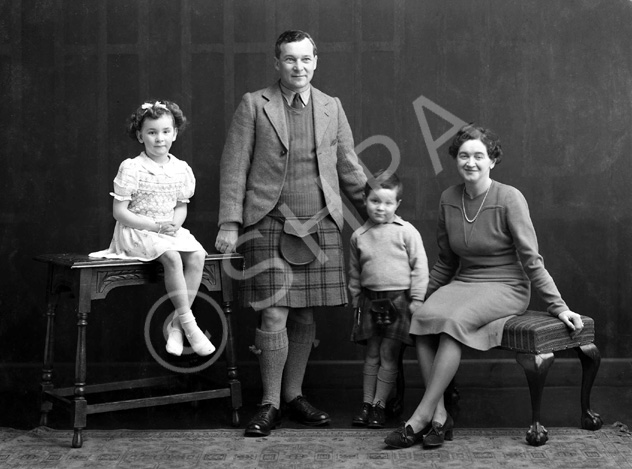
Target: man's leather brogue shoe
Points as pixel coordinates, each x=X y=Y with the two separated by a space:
x=306 y=413
x=265 y=420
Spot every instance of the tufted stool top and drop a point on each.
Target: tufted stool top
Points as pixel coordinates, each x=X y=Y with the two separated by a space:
x=539 y=332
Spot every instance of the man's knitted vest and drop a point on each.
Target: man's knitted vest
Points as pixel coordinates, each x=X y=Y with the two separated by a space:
x=301 y=192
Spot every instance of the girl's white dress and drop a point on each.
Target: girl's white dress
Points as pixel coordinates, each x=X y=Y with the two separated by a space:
x=153 y=192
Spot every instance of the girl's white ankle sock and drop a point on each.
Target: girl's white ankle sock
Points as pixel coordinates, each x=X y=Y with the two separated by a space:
x=199 y=342
x=175 y=337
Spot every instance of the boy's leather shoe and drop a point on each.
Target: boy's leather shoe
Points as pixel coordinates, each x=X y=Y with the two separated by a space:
x=306 y=413
x=265 y=420
x=362 y=419
x=377 y=417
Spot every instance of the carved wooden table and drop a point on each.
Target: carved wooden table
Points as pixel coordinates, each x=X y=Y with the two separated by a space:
x=88 y=279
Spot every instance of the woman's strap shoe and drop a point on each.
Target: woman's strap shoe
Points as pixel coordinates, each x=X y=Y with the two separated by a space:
x=405 y=436
x=265 y=420
x=439 y=432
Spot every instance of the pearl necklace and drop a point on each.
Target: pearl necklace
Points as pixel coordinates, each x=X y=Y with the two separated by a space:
x=479 y=208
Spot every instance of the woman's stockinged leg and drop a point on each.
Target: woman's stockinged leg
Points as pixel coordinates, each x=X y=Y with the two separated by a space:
x=426 y=347
x=437 y=377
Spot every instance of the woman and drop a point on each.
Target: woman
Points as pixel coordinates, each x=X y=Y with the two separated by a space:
x=488 y=260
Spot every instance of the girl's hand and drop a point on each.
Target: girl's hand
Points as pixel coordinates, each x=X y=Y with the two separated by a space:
x=168 y=228
x=226 y=240
x=572 y=320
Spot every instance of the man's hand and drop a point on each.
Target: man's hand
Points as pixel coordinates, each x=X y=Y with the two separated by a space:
x=226 y=241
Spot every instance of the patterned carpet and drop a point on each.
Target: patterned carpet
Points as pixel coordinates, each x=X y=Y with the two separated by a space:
x=43 y=447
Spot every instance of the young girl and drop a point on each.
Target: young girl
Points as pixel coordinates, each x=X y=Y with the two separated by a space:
x=388 y=277
x=151 y=193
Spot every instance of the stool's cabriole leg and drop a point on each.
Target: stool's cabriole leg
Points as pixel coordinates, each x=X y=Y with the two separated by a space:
x=231 y=366
x=590 y=359
x=49 y=348
x=536 y=368
x=451 y=398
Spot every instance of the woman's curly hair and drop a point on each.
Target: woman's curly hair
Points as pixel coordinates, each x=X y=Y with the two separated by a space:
x=473 y=132
x=154 y=109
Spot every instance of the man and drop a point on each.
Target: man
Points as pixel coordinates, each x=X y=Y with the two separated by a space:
x=288 y=153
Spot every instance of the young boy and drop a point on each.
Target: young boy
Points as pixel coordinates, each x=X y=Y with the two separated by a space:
x=388 y=277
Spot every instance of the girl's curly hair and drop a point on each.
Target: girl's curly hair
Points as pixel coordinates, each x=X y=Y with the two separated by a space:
x=154 y=109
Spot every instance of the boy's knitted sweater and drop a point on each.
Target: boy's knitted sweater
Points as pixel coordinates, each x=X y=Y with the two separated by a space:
x=387 y=256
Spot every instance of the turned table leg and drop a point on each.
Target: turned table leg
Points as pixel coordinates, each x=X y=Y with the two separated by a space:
x=231 y=366
x=536 y=368
x=47 y=370
x=590 y=360
x=79 y=405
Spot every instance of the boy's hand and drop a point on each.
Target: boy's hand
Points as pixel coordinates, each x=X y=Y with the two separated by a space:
x=415 y=306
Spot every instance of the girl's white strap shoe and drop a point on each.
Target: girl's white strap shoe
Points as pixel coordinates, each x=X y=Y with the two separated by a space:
x=199 y=342
x=175 y=337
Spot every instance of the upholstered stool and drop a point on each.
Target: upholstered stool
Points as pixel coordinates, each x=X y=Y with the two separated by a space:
x=535 y=336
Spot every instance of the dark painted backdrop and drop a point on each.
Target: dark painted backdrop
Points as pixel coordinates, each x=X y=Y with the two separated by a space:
x=553 y=78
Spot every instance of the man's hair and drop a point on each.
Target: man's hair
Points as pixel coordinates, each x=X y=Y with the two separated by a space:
x=292 y=36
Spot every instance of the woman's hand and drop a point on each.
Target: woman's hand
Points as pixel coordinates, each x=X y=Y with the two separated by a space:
x=572 y=320
x=226 y=240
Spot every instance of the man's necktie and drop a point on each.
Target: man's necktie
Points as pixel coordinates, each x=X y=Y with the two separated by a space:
x=297 y=103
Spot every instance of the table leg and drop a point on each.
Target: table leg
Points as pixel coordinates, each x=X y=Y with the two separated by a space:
x=79 y=406
x=231 y=366
x=49 y=347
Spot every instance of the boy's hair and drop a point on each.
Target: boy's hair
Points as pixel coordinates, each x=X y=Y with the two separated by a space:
x=154 y=109
x=382 y=179
x=292 y=36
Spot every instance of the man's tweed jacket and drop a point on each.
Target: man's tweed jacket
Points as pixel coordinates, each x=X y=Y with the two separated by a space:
x=255 y=157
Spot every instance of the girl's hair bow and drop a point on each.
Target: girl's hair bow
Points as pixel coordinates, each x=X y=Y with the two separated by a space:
x=158 y=104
